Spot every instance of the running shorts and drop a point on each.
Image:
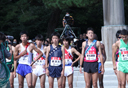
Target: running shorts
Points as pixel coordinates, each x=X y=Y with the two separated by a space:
x=90 y=67
x=38 y=70
x=99 y=67
x=123 y=67
x=68 y=71
x=55 y=71
x=23 y=69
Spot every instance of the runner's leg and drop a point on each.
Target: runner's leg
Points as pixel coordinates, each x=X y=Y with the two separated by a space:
x=42 y=81
x=122 y=79
x=64 y=81
x=70 y=81
x=51 y=81
x=119 y=82
x=127 y=77
x=100 y=80
x=11 y=79
x=87 y=77
x=29 y=80
x=59 y=80
x=94 y=79
x=34 y=79
x=21 y=81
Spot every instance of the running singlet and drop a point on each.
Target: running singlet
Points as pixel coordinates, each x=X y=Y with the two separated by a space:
x=40 y=61
x=123 y=51
x=55 y=55
x=91 y=55
x=68 y=56
x=26 y=59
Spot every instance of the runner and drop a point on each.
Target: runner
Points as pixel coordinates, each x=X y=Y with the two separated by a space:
x=55 y=57
x=4 y=71
x=118 y=36
x=39 y=65
x=69 y=51
x=10 y=64
x=122 y=45
x=23 y=52
x=90 y=50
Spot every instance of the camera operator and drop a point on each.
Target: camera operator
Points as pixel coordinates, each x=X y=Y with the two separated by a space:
x=4 y=71
x=68 y=20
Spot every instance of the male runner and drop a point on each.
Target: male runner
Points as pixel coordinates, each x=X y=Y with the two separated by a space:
x=55 y=57
x=115 y=56
x=122 y=45
x=23 y=52
x=90 y=50
x=10 y=63
x=69 y=51
x=39 y=65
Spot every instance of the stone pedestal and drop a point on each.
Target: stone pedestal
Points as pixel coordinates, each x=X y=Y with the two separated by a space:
x=109 y=37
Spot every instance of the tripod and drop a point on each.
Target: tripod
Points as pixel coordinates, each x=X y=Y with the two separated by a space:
x=68 y=31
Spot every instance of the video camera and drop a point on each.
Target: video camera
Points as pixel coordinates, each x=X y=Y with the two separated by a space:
x=68 y=20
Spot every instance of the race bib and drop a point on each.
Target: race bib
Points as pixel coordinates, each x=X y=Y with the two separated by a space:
x=124 y=55
x=55 y=61
x=25 y=58
x=90 y=56
x=68 y=61
x=40 y=61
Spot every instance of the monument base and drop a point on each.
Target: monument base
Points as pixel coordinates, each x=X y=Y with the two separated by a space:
x=109 y=37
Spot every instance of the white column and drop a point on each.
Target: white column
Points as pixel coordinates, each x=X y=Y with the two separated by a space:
x=114 y=20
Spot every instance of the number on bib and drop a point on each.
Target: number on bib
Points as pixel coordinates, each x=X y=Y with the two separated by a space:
x=90 y=56
x=68 y=61
x=55 y=61
x=124 y=55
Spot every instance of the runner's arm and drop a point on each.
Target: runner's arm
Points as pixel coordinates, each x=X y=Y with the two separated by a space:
x=63 y=57
x=101 y=56
x=38 y=51
x=114 y=50
x=47 y=54
x=16 y=56
x=104 y=53
x=77 y=53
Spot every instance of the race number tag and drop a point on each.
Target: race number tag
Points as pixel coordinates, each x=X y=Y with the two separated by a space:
x=25 y=58
x=90 y=56
x=40 y=61
x=124 y=55
x=68 y=58
x=55 y=61
x=68 y=61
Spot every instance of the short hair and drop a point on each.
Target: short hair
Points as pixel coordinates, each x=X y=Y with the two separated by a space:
x=23 y=32
x=90 y=29
x=2 y=36
x=39 y=37
x=55 y=34
x=118 y=33
x=124 y=32
x=67 y=39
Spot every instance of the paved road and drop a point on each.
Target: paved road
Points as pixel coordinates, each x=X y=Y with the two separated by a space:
x=110 y=80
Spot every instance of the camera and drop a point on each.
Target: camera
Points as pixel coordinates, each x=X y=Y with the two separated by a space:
x=9 y=37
